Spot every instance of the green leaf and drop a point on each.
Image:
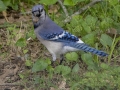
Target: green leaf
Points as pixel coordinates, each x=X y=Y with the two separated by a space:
x=31 y=34
x=106 y=23
x=48 y=61
x=11 y=3
x=39 y=65
x=6 y=2
x=62 y=69
x=21 y=42
x=88 y=59
x=58 y=69
x=113 y=2
x=21 y=76
x=89 y=38
x=86 y=27
x=14 y=6
x=104 y=66
x=75 y=20
x=76 y=68
x=68 y=2
x=117 y=10
x=2 y=6
x=66 y=70
x=28 y=63
x=106 y=40
x=90 y=20
x=73 y=56
x=50 y=69
x=76 y=1
x=48 y=2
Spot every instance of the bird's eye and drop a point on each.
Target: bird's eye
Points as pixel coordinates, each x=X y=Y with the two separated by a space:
x=41 y=10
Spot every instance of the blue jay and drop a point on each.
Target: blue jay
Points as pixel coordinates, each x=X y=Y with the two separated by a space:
x=54 y=38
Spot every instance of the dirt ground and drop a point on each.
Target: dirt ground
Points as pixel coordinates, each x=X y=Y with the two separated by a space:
x=11 y=57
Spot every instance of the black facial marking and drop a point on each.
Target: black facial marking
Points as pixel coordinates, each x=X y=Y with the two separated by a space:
x=36 y=13
x=41 y=10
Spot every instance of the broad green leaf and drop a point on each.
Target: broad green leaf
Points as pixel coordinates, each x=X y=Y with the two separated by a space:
x=75 y=20
x=117 y=10
x=48 y=2
x=113 y=2
x=104 y=24
x=39 y=65
x=14 y=6
x=2 y=6
x=86 y=27
x=88 y=59
x=106 y=40
x=66 y=70
x=89 y=38
x=104 y=66
x=50 y=68
x=48 y=61
x=21 y=42
x=7 y=2
x=58 y=69
x=73 y=56
x=62 y=69
x=69 y=2
x=90 y=20
x=76 y=68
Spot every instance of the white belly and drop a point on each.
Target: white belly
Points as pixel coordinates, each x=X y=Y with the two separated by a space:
x=56 y=48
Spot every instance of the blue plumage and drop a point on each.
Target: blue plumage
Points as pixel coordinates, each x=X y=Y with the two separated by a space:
x=87 y=48
x=59 y=37
x=55 y=39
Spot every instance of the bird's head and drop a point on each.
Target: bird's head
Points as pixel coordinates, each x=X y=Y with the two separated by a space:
x=38 y=13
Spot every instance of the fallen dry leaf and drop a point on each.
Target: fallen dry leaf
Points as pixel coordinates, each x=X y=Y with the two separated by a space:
x=62 y=85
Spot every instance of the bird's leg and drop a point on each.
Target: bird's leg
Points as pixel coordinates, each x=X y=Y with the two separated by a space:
x=62 y=58
x=54 y=59
x=52 y=63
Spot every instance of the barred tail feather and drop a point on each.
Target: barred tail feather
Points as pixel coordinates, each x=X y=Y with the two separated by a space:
x=87 y=48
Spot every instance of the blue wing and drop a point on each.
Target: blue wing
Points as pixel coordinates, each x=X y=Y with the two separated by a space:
x=60 y=37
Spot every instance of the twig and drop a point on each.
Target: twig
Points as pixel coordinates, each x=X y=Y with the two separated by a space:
x=5 y=15
x=115 y=57
x=64 y=8
x=9 y=84
x=82 y=10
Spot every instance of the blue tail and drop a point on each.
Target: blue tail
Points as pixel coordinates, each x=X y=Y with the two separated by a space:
x=86 y=48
